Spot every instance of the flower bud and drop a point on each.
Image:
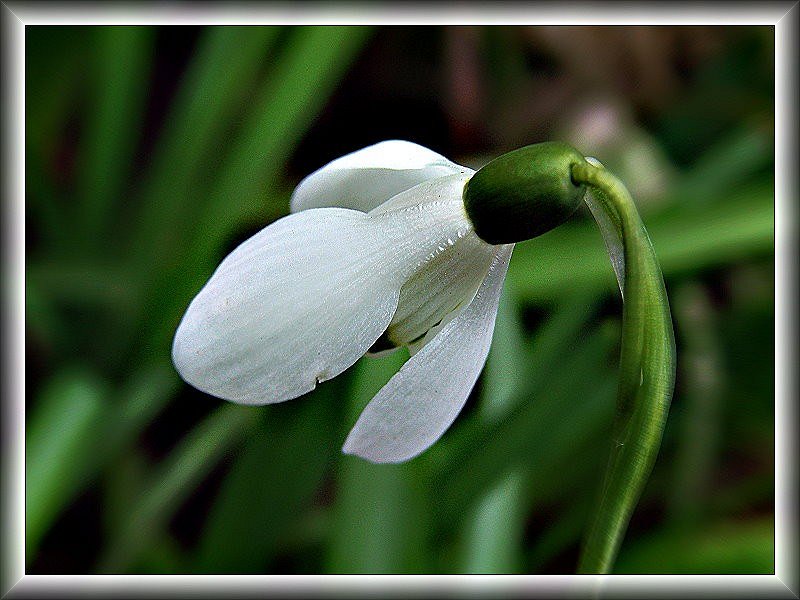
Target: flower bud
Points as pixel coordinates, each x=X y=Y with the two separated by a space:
x=524 y=193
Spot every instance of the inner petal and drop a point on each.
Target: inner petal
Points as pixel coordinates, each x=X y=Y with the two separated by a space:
x=444 y=260
x=448 y=277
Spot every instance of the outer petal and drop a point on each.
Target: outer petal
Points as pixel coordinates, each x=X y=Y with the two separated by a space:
x=303 y=299
x=286 y=310
x=366 y=178
x=421 y=401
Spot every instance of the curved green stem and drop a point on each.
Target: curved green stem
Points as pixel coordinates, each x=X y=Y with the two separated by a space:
x=647 y=365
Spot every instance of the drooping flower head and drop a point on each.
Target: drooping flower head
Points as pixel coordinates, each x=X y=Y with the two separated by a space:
x=380 y=252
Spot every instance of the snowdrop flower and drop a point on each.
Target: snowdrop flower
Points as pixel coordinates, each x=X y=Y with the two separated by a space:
x=380 y=251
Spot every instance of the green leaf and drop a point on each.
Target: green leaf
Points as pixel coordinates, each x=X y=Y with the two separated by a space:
x=540 y=435
x=174 y=480
x=516 y=367
x=120 y=73
x=494 y=529
x=282 y=110
x=504 y=376
x=102 y=430
x=564 y=528
x=540 y=359
x=121 y=487
x=145 y=393
x=730 y=163
x=271 y=483
x=61 y=443
x=379 y=516
x=219 y=78
x=727 y=548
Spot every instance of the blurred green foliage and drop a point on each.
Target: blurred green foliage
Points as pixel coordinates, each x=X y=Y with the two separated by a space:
x=151 y=151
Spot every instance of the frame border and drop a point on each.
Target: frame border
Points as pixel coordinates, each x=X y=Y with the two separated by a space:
x=14 y=583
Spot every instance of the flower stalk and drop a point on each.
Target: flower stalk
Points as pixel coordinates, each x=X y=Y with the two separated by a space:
x=647 y=365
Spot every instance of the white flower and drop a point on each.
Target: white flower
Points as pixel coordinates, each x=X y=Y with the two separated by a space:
x=378 y=248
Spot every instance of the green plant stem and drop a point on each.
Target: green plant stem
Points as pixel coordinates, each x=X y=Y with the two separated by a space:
x=647 y=367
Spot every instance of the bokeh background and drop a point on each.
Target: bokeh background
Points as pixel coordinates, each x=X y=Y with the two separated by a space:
x=153 y=151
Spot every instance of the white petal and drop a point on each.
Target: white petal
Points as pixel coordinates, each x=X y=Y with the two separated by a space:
x=303 y=299
x=449 y=279
x=368 y=177
x=421 y=401
x=286 y=309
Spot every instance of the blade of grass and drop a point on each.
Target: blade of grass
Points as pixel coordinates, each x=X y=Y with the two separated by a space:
x=60 y=441
x=378 y=516
x=565 y=528
x=296 y=90
x=106 y=432
x=700 y=423
x=493 y=531
x=563 y=465
x=492 y=534
x=121 y=486
x=506 y=368
x=543 y=356
x=728 y=164
x=216 y=83
x=271 y=484
x=173 y=481
x=143 y=396
x=120 y=73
